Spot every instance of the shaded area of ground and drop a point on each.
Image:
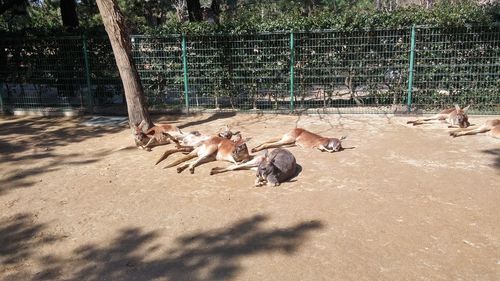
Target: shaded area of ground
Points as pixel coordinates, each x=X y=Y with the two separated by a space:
x=208 y=255
x=81 y=203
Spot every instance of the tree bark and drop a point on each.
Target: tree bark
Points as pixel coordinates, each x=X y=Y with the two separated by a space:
x=68 y=13
x=194 y=10
x=114 y=23
x=215 y=7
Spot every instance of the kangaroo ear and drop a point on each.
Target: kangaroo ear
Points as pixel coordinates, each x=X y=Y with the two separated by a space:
x=237 y=138
x=466 y=108
x=343 y=137
x=457 y=107
x=266 y=153
x=141 y=125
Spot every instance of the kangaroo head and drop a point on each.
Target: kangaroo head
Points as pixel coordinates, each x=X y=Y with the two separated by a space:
x=461 y=117
x=266 y=167
x=240 y=152
x=226 y=133
x=335 y=144
x=139 y=132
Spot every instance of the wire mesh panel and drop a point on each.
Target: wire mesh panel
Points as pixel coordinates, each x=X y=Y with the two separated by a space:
x=207 y=80
x=457 y=66
x=159 y=63
x=260 y=71
x=356 y=71
x=46 y=72
x=105 y=83
x=239 y=71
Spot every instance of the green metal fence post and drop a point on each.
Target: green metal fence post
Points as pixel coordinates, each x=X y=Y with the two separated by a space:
x=90 y=99
x=410 y=70
x=292 y=62
x=185 y=70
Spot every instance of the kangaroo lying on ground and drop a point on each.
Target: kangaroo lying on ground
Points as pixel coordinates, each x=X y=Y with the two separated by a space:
x=278 y=166
x=492 y=126
x=453 y=116
x=215 y=148
x=304 y=138
x=272 y=168
x=188 y=142
x=154 y=135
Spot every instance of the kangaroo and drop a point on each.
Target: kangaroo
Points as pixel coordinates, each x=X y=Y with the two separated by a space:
x=188 y=142
x=154 y=135
x=492 y=126
x=276 y=167
x=215 y=148
x=252 y=164
x=304 y=138
x=272 y=168
x=453 y=116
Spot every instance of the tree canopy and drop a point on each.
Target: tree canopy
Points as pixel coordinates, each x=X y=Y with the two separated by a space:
x=239 y=16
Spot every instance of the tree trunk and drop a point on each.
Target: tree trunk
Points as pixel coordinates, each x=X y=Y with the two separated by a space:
x=114 y=23
x=215 y=7
x=68 y=13
x=194 y=10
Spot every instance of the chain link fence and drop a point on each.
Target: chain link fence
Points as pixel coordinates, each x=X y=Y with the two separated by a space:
x=416 y=69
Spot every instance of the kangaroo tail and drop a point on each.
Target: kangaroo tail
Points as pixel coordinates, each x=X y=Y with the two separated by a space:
x=170 y=152
x=185 y=158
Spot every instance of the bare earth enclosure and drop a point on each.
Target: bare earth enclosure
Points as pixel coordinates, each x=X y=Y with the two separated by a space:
x=407 y=203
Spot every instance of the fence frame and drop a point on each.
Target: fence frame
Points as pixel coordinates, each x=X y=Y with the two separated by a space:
x=410 y=71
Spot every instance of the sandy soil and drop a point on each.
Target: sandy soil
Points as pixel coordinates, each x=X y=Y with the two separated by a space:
x=407 y=203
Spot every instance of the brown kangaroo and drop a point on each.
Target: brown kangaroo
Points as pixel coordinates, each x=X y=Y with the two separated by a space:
x=304 y=138
x=154 y=135
x=188 y=142
x=492 y=126
x=215 y=148
x=453 y=116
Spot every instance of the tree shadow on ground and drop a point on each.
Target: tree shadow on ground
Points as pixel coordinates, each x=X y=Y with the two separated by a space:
x=45 y=134
x=28 y=147
x=211 y=255
x=19 y=238
x=495 y=152
x=213 y=117
x=24 y=176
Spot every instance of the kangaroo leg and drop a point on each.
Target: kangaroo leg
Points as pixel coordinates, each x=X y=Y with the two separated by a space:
x=200 y=160
x=172 y=151
x=149 y=142
x=169 y=138
x=185 y=158
x=206 y=154
x=495 y=132
x=463 y=130
x=285 y=140
x=322 y=148
x=457 y=133
x=245 y=166
x=426 y=120
x=269 y=141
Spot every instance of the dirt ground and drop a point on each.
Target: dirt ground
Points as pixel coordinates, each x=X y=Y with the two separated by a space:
x=407 y=203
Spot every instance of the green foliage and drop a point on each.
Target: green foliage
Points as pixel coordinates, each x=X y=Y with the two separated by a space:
x=253 y=16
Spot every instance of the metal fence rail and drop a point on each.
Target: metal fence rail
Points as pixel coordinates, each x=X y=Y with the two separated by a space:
x=399 y=70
